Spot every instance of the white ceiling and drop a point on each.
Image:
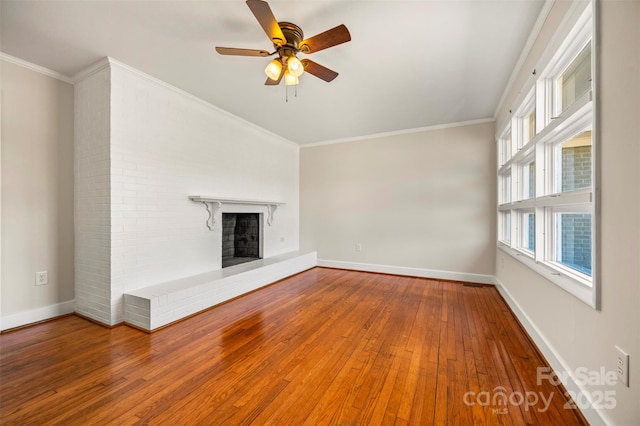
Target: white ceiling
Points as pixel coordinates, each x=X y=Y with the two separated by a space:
x=410 y=64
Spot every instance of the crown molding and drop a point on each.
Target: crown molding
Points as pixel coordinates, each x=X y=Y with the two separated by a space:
x=37 y=68
x=92 y=69
x=400 y=132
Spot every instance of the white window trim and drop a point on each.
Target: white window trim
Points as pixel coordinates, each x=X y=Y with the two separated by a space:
x=522 y=173
x=574 y=33
x=505 y=137
x=519 y=242
x=550 y=250
x=568 y=283
x=501 y=227
x=528 y=105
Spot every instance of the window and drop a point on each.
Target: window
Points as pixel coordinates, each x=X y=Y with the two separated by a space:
x=504 y=148
x=504 y=227
x=546 y=170
x=526 y=232
x=575 y=81
x=505 y=187
x=572 y=239
x=528 y=178
x=572 y=163
x=529 y=125
x=525 y=120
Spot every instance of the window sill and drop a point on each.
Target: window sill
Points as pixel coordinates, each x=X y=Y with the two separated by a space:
x=579 y=288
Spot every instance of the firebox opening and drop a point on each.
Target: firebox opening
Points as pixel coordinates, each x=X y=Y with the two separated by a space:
x=241 y=238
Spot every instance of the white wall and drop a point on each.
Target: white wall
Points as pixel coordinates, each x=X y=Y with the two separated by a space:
x=37 y=195
x=420 y=202
x=575 y=334
x=92 y=196
x=164 y=146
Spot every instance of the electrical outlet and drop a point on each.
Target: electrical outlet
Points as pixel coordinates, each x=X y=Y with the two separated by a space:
x=42 y=278
x=622 y=366
x=358 y=247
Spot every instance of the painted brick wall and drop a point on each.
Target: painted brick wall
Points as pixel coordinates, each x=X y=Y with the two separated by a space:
x=92 y=226
x=165 y=145
x=576 y=228
x=576 y=168
x=576 y=241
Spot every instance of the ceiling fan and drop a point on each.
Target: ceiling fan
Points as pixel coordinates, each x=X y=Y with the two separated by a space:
x=288 y=39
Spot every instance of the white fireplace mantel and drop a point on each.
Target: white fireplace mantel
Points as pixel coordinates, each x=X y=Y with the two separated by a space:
x=212 y=204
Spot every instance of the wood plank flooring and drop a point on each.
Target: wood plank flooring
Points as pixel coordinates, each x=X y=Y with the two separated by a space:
x=325 y=347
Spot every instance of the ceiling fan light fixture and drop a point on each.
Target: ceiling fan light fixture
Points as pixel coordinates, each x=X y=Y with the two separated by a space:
x=274 y=69
x=288 y=40
x=294 y=66
x=290 y=79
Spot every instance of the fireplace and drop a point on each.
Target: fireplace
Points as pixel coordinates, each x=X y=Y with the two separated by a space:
x=241 y=238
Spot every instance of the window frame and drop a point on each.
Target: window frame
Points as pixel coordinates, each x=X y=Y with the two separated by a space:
x=520 y=232
x=527 y=106
x=553 y=128
x=504 y=227
x=552 y=243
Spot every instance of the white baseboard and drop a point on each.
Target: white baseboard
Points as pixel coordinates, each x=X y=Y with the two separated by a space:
x=593 y=416
x=412 y=272
x=35 y=315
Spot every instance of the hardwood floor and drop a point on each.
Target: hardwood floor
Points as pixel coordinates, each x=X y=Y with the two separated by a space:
x=323 y=347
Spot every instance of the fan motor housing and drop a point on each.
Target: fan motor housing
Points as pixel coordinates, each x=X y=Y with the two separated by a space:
x=292 y=33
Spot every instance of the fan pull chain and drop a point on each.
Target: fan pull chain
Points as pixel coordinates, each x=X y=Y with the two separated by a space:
x=295 y=92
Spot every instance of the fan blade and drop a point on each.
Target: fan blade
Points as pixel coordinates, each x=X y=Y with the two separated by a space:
x=329 y=38
x=318 y=70
x=241 y=52
x=270 y=82
x=264 y=15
